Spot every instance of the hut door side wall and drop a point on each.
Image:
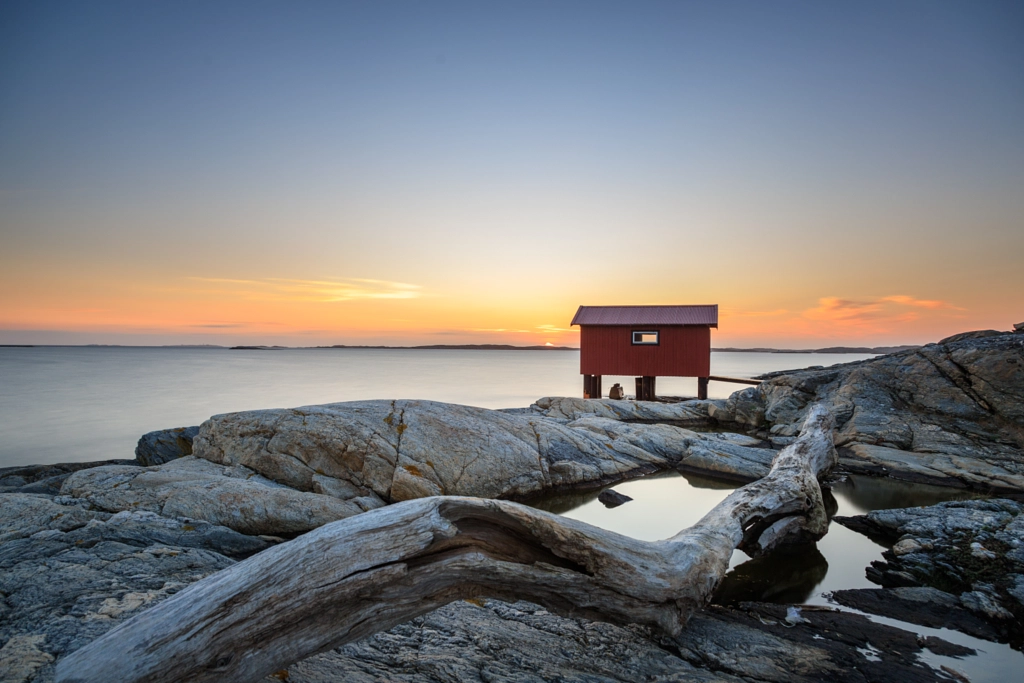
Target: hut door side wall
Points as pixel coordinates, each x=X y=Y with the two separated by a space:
x=681 y=351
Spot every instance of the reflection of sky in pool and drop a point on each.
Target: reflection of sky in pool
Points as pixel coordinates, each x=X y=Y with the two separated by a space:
x=667 y=502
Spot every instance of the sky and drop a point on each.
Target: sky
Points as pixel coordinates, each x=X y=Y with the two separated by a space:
x=307 y=173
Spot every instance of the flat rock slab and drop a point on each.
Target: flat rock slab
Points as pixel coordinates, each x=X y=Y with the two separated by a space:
x=505 y=643
x=400 y=450
x=941 y=469
x=918 y=605
x=46 y=479
x=487 y=640
x=234 y=497
x=570 y=408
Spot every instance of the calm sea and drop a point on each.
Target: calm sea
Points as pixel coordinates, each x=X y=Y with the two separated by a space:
x=74 y=404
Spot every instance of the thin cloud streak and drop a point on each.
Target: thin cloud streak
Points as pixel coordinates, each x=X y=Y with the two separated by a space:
x=922 y=303
x=835 y=309
x=852 y=318
x=324 y=291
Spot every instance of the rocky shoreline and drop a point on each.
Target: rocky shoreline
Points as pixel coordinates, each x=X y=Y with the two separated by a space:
x=84 y=546
x=956 y=565
x=950 y=413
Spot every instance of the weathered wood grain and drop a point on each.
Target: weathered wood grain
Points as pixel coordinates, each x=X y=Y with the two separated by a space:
x=352 y=578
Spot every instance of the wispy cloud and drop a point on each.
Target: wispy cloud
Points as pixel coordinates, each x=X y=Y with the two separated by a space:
x=325 y=291
x=834 y=309
x=539 y=329
x=870 y=316
x=920 y=303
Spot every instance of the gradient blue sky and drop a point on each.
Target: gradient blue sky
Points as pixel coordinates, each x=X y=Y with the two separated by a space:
x=397 y=172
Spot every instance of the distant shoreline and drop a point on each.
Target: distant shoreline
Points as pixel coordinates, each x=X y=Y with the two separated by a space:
x=450 y=347
x=431 y=347
x=829 y=349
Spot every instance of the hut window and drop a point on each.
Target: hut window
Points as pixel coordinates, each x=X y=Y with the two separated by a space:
x=645 y=337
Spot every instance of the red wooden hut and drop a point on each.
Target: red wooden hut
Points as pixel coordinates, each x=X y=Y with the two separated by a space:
x=646 y=342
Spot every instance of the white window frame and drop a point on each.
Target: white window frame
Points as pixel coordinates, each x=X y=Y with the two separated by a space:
x=638 y=338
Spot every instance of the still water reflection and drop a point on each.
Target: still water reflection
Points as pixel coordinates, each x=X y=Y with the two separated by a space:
x=667 y=502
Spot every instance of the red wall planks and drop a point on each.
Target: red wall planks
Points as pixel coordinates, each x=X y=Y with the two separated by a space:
x=683 y=351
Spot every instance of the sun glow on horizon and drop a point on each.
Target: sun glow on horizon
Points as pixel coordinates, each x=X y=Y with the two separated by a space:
x=297 y=311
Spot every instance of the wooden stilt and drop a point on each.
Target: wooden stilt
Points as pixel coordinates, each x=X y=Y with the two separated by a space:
x=645 y=390
x=702 y=387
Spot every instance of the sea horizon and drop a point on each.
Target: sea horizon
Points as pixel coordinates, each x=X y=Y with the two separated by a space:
x=457 y=347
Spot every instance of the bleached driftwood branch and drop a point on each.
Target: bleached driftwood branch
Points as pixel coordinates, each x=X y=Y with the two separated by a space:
x=361 y=575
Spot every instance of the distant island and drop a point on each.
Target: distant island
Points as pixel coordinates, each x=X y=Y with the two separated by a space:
x=829 y=349
x=457 y=347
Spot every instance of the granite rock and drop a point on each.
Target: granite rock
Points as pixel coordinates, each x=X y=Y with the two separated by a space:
x=68 y=574
x=46 y=479
x=189 y=487
x=570 y=408
x=972 y=550
x=487 y=640
x=611 y=498
x=950 y=413
x=24 y=514
x=156 y=448
x=920 y=605
x=399 y=450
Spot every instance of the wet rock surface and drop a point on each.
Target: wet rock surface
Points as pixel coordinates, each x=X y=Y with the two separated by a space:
x=613 y=499
x=922 y=605
x=950 y=413
x=964 y=558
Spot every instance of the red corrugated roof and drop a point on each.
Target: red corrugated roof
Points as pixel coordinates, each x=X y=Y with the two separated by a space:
x=647 y=315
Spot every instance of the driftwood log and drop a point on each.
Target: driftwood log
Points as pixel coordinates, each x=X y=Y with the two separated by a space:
x=352 y=578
